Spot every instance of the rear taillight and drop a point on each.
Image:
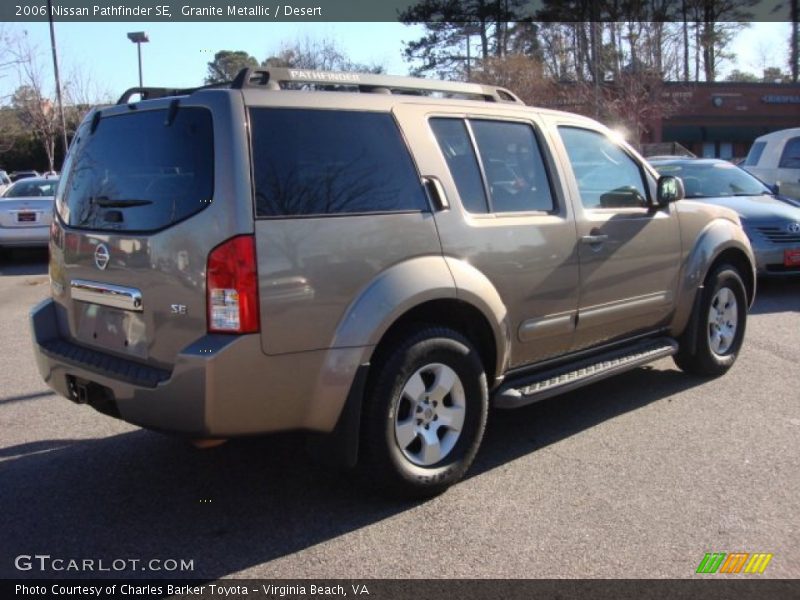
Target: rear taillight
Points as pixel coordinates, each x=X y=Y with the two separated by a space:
x=232 y=287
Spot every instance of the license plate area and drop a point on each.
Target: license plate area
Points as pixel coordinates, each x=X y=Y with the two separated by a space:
x=112 y=329
x=791 y=258
x=26 y=217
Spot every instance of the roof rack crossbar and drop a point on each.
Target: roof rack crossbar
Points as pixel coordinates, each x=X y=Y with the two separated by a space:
x=272 y=78
x=150 y=93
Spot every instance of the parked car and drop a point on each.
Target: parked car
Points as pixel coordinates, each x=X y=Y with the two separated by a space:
x=17 y=175
x=5 y=181
x=775 y=159
x=26 y=211
x=376 y=266
x=772 y=223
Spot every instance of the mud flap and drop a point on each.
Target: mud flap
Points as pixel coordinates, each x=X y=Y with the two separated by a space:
x=339 y=448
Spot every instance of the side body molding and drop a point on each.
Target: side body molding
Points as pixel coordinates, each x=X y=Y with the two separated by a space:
x=716 y=237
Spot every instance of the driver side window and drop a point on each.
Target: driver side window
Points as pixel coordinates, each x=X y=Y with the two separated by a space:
x=606 y=176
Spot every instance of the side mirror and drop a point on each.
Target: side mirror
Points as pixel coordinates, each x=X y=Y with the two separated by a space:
x=669 y=189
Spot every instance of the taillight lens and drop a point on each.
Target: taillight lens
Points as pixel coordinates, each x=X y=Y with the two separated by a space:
x=232 y=287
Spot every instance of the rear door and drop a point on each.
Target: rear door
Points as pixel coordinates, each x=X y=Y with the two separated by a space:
x=507 y=216
x=148 y=190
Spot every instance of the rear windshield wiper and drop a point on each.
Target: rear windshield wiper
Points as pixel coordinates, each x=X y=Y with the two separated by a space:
x=107 y=202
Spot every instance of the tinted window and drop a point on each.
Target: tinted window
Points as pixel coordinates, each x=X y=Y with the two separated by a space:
x=317 y=162
x=790 y=157
x=513 y=166
x=457 y=148
x=138 y=173
x=704 y=180
x=755 y=154
x=607 y=176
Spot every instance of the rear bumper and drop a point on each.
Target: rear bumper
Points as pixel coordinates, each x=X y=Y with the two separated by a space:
x=221 y=385
x=24 y=236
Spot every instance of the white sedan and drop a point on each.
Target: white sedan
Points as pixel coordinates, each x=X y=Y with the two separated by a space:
x=26 y=211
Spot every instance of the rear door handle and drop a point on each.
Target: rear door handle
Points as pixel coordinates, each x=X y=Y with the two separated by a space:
x=594 y=239
x=436 y=192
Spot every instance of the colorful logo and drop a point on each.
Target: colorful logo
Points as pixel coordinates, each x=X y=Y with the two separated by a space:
x=736 y=562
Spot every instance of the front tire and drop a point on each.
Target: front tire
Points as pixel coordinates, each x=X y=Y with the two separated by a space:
x=720 y=327
x=424 y=414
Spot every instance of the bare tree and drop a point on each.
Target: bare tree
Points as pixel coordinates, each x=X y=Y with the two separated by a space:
x=36 y=108
x=318 y=54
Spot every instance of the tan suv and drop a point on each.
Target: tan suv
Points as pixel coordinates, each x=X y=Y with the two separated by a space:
x=375 y=258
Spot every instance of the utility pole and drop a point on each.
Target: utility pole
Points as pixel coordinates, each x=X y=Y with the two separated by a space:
x=57 y=77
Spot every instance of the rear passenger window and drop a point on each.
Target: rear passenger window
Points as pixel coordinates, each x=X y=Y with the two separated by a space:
x=317 y=162
x=606 y=176
x=513 y=165
x=790 y=157
x=456 y=146
x=509 y=156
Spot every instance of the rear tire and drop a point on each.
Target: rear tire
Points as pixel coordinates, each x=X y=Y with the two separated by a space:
x=720 y=326
x=424 y=414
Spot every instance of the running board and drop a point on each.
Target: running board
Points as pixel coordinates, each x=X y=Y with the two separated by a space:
x=554 y=381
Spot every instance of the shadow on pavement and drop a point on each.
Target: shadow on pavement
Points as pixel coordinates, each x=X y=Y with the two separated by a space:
x=23 y=261
x=144 y=495
x=777 y=295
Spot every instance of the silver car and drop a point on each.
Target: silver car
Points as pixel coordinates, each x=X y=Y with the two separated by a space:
x=771 y=222
x=26 y=211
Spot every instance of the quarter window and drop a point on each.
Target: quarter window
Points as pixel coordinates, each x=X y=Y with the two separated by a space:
x=318 y=162
x=606 y=175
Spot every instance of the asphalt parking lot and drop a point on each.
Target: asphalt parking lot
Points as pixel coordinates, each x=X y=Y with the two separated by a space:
x=637 y=476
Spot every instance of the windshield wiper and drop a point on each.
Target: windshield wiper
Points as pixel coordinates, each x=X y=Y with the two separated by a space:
x=107 y=202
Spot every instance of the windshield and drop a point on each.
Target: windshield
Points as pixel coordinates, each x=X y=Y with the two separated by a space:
x=141 y=171
x=708 y=180
x=32 y=188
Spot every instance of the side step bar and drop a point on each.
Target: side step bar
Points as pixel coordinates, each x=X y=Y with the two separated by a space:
x=554 y=381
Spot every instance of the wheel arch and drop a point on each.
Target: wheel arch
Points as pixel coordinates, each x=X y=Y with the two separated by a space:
x=720 y=242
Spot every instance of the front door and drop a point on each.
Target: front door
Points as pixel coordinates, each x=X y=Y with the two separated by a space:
x=629 y=248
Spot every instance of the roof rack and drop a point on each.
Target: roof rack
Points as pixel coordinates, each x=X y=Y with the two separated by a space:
x=150 y=93
x=279 y=78
x=282 y=78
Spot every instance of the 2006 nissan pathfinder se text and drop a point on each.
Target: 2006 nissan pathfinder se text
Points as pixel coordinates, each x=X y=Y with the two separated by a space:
x=377 y=258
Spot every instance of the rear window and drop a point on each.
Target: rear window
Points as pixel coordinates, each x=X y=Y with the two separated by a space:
x=755 y=154
x=139 y=172
x=32 y=188
x=323 y=162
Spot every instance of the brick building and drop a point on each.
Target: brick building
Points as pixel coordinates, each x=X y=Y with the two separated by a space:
x=722 y=119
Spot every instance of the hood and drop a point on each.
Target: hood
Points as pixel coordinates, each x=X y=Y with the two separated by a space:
x=756 y=208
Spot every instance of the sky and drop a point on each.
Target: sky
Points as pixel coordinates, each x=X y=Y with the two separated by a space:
x=178 y=52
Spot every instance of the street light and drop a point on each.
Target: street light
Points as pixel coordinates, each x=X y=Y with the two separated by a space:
x=139 y=38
